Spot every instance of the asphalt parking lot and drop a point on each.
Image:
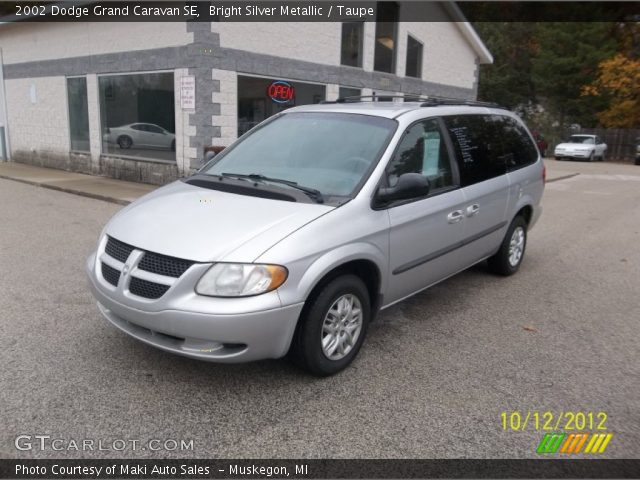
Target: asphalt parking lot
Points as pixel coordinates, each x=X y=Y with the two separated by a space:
x=431 y=381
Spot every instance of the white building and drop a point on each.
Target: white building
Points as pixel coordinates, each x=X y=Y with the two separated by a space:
x=105 y=98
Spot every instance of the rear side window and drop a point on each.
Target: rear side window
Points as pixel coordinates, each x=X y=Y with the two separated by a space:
x=518 y=148
x=478 y=147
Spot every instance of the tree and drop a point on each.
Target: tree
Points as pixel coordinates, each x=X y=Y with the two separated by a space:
x=508 y=80
x=568 y=57
x=618 y=81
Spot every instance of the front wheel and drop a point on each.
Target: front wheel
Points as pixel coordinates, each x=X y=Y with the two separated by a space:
x=332 y=327
x=508 y=259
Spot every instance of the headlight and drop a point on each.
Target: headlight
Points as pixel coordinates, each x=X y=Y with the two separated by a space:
x=240 y=279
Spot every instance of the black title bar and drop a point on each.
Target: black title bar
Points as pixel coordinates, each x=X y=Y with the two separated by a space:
x=310 y=11
x=312 y=469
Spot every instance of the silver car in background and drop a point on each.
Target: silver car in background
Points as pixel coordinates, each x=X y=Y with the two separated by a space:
x=141 y=135
x=292 y=239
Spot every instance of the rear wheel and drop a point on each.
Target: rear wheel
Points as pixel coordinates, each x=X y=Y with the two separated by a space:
x=508 y=259
x=332 y=327
x=125 y=141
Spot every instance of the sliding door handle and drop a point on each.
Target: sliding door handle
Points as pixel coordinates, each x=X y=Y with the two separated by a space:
x=455 y=216
x=473 y=210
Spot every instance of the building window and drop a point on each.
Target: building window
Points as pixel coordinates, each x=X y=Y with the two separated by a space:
x=414 y=58
x=78 y=114
x=386 y=21
x=137 y=114
x=349 y=92
x=351 y=49
x=255 y=104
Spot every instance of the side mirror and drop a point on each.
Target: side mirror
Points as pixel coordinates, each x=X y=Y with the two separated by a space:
x=410 y=185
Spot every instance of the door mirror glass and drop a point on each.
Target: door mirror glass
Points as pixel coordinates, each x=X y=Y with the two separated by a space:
x=409 y=185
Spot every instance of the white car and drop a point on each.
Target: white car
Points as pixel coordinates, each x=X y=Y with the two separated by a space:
x=583 y=146
x=141 y=135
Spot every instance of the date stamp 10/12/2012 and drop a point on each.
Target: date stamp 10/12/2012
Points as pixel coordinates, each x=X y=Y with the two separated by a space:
x=566 y=432
x=553 y=421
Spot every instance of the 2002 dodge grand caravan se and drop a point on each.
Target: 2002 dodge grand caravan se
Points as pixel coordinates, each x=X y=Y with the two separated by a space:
x=293 y=238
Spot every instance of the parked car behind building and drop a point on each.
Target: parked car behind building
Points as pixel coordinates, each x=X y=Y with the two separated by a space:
x=581 y=146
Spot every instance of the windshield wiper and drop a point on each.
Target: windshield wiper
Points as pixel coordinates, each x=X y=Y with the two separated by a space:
x=312 y=193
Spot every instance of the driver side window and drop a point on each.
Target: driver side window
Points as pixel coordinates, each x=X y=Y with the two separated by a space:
x=422 y=150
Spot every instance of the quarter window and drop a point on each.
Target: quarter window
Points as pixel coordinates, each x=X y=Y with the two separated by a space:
x=422 y=150
x=478 y=150
x=518 y=148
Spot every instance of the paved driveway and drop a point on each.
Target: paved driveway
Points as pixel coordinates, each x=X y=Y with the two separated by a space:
x=432 y=380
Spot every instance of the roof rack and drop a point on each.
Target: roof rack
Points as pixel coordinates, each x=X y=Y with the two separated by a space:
x=426 y=100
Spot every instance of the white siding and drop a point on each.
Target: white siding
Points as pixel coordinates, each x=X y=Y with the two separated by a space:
x=317 y=42
x=43 y=125
x=447 y=56
x=28 y=42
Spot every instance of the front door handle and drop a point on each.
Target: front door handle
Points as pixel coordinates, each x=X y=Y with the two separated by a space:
x=455 y=216
x=473 y=210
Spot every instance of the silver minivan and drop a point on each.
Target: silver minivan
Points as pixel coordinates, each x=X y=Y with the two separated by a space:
x=292 y=239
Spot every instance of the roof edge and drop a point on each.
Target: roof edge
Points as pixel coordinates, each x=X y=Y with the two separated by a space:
x=469 y=33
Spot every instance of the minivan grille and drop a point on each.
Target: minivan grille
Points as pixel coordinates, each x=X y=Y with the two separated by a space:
x=164 y=265
x=118 y=250
x=150 y=262
x=145 y=289
x=110 y=274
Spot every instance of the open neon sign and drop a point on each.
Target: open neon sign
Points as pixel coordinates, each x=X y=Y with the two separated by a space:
x=281 y=91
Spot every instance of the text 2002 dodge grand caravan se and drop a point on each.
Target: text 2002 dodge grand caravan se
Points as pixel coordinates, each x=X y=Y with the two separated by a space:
x=293 y=238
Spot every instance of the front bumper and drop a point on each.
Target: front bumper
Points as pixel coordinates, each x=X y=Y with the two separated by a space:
x=572 y=154
x=204 y=328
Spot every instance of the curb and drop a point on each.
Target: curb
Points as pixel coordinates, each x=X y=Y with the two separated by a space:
x=72 y=191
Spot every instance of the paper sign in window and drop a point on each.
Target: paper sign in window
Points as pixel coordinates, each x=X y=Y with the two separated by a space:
x=431 y=155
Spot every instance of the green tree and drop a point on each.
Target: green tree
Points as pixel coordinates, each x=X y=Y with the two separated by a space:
x=508 y=81
x=567 y=58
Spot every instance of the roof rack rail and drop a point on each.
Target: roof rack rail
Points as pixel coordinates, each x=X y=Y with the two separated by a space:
x=426 y=100
x=374 y=98
x=435 y=101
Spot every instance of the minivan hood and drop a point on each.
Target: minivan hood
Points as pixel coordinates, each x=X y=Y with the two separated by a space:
x=204 y=225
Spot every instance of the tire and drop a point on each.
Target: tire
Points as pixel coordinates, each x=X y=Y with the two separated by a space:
x=125 y=142
x=315 y=324
x=558 y=158
x=591 y=157
x=507 y=262
x=637 y=160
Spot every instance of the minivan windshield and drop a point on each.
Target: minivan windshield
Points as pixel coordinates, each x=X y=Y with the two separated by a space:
x=582 y=139
x=331 y=153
